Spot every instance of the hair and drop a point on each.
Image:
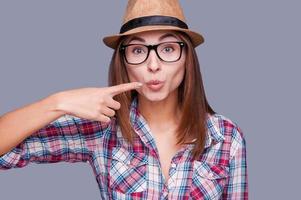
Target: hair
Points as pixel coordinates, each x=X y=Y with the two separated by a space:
x=191 y=98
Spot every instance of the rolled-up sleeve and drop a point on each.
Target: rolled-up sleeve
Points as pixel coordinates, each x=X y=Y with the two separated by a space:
x=69 y=139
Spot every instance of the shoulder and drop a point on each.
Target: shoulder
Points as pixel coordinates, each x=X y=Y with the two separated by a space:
x=227 y=130
x=225 y=126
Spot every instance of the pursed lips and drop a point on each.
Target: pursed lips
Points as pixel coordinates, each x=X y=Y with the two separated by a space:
x=154 y=82
x=155 y=85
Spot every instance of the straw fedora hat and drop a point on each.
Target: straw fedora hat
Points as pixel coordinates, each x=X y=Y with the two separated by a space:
x=147 y=15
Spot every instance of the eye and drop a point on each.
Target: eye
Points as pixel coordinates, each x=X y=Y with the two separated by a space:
x=138 y=50
x=168 y=49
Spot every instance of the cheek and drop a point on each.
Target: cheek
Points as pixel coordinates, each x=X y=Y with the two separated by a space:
x=177 y=77
x=134 y=75
x=178 y=74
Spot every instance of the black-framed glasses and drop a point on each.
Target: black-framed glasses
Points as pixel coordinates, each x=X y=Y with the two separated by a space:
x=136 y=54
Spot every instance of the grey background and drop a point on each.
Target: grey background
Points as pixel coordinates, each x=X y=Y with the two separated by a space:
x=250 y=64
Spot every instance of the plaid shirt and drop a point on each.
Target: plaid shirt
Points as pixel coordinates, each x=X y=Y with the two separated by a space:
x=126 y=171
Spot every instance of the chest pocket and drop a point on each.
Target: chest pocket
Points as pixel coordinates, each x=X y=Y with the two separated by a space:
x=128 y=171
x=208 y=180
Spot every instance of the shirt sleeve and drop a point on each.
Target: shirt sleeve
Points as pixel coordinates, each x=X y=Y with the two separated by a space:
x=68 y=139
x=237 y=186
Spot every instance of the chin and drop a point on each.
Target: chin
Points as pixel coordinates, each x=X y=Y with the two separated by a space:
x=156 y=96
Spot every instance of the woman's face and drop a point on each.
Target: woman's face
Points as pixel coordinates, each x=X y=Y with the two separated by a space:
x=160 y=78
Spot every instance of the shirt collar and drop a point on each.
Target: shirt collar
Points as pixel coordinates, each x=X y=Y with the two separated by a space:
x=215 y=131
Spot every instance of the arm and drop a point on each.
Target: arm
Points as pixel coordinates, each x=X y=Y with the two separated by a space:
x=26 y=135
x=17 y=125
x=29 y=134
x=237 y=187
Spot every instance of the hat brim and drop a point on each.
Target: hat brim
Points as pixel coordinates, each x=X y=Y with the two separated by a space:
x=112 y=41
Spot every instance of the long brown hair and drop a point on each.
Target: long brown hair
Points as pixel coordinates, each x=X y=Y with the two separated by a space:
x=191 y=97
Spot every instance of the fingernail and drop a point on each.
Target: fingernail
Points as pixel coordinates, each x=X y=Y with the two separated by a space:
x=139 y=84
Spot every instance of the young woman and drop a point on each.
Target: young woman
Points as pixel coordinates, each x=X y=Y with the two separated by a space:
x=152 y=133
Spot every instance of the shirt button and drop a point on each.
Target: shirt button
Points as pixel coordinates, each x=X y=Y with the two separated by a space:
x=173 y=165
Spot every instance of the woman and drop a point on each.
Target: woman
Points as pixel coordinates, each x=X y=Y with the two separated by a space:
x=152 y=133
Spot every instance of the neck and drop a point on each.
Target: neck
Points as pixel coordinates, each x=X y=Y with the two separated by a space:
x=162 y=114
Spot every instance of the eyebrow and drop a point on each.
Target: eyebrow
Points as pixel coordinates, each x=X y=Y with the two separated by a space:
x=160 y=38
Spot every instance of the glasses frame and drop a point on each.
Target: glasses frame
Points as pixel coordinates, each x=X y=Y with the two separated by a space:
x=149 y=48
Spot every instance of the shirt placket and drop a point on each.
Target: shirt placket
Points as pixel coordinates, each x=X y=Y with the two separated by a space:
x=146 y=137
x=176 y=174
x=143 y=131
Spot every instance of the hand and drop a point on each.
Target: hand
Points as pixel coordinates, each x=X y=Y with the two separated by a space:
x=93 y=103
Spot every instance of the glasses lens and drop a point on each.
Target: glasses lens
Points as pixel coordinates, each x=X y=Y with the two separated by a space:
x=136 y=53
x=169 y=52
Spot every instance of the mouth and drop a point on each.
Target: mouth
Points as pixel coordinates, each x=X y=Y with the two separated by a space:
x=155 y=85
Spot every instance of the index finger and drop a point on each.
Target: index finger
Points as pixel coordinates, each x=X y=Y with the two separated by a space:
x=117 y=89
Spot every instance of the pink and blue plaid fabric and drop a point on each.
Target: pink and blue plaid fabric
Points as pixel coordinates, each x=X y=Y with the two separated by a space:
x=126 y=171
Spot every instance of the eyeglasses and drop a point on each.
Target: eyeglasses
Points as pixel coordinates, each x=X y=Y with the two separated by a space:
x=136 y=54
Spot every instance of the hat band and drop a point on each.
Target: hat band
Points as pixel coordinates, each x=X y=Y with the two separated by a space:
x=153 y=20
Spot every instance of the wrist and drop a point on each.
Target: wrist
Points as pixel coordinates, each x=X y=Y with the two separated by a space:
x=56 y=103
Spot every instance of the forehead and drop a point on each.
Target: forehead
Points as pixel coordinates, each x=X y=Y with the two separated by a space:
x=152 y=36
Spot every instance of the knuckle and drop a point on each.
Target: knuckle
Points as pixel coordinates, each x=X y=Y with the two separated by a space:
x=101 y=101
x=106 y=119
x=113 y=113
x=99 y=108
x=110 y=113
x=118 y=105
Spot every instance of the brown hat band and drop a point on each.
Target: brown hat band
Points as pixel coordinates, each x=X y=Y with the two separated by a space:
x=153 y=20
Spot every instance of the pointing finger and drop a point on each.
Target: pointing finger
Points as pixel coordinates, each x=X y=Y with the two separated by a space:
x=117 y=89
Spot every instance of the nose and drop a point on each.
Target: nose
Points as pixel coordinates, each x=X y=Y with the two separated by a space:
x=153 y=63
